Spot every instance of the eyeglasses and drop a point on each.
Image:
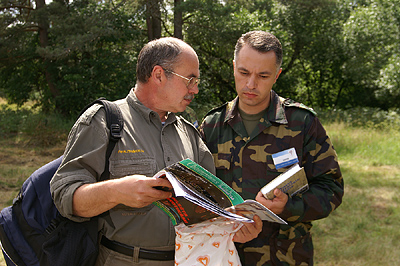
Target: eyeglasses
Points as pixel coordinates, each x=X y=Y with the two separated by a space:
x=190 y=81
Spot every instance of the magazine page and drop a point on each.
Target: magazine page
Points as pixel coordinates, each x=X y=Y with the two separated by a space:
x=249 y=208
x=189 y=206
x=199 y=179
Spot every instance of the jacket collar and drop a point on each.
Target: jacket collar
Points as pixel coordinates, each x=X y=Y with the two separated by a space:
x=275 y=111
x=144 y=111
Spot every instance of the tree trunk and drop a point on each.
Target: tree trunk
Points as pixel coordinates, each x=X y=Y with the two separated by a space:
x=178 y=21
x=44 y=41
x=153 y=19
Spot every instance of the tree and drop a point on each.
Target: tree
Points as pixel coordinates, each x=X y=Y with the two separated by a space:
x=153 y=19
x=371 y=36
x=311 y=34
x=178 y=19
x=87 y=53
x=337 y=53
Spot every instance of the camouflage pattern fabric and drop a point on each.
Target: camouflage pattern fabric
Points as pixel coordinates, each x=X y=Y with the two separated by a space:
x=245 y=163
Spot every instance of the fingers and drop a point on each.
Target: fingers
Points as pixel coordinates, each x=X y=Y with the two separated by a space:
x=248 y=231
x=161 y=184
x=277 y=204
x=279 y=194
x=261 y=199
x=138 y=191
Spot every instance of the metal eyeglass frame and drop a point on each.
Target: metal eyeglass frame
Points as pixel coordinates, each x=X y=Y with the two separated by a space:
x=190 y=84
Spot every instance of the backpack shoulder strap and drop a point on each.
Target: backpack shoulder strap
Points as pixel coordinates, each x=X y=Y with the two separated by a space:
x=115 y=123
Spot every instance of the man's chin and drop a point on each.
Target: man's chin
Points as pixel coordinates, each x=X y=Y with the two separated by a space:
x=180 y=109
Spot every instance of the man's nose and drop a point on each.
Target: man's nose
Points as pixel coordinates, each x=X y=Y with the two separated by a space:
x=194 y=89
x=251 y=82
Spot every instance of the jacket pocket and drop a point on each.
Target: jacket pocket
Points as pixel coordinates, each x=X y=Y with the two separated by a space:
x=131 y=166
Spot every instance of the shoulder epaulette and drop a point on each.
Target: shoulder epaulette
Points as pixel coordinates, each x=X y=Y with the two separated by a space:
x=291 y=103
x=218 y=108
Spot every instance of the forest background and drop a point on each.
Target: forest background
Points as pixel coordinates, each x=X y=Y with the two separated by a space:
x=338 y=54
x=341 y=57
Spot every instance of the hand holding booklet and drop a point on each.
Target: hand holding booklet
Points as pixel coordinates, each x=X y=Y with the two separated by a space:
x=198 y=195
x=292 y=182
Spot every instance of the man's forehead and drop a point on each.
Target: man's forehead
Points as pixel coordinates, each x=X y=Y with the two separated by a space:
x=189 y=63
x=252 y=59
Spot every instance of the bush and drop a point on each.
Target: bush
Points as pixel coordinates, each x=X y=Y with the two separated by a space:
x=363 y=117
x=33 y=127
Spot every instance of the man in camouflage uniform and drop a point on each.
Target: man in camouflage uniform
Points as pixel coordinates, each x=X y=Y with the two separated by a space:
x=244 y=134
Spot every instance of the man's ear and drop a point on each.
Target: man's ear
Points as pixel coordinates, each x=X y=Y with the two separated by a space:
x=157 y=74
x=277 y=75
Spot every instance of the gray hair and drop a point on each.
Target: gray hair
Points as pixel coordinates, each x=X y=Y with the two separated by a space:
x=262 y=42
x=163 y=52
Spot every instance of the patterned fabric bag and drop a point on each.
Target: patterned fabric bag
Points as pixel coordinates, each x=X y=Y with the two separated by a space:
x=207 y=243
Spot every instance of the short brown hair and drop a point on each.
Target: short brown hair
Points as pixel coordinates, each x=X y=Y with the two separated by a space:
x=262 y=42
x=163 y=52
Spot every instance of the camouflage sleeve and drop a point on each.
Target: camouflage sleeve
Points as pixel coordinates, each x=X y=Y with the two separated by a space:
x=326 y=189
x=201 y=130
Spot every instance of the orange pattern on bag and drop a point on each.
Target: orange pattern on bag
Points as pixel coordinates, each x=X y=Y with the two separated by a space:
x=204 y=260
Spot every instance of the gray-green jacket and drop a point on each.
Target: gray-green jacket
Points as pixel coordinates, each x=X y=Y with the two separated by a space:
x=145 y=148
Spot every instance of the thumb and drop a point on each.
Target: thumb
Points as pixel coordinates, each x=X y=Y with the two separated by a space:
x=280 y=196
x=278 y=192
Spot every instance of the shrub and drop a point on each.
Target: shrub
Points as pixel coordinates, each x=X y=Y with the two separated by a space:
x=365 y=117
x=32 y=126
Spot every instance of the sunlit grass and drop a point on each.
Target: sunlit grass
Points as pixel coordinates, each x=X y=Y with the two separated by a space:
x=373 y=147
x=364 y=230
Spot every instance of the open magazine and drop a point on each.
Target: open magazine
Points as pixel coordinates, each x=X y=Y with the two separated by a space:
x=199 y=196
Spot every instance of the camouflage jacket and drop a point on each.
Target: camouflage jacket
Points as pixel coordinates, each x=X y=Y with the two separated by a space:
x=245 y=163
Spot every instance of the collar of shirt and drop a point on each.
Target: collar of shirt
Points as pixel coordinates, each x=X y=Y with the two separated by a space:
x=146 y=112
x=275 y=112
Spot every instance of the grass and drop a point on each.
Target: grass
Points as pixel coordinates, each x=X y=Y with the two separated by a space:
x=363 y=231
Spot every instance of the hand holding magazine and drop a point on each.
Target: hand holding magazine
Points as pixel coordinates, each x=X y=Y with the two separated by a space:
x=199 y=196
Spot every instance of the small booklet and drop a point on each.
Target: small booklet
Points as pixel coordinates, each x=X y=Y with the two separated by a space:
x=198 y=195
x=292 y=182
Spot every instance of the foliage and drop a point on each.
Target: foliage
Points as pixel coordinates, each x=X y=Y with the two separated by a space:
x=88 y=54
x=337 y=53
x=30 y=127
x=372 y=41
x=366 y=117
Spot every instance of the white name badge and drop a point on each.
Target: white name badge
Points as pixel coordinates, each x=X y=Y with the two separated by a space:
x=285 y=158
